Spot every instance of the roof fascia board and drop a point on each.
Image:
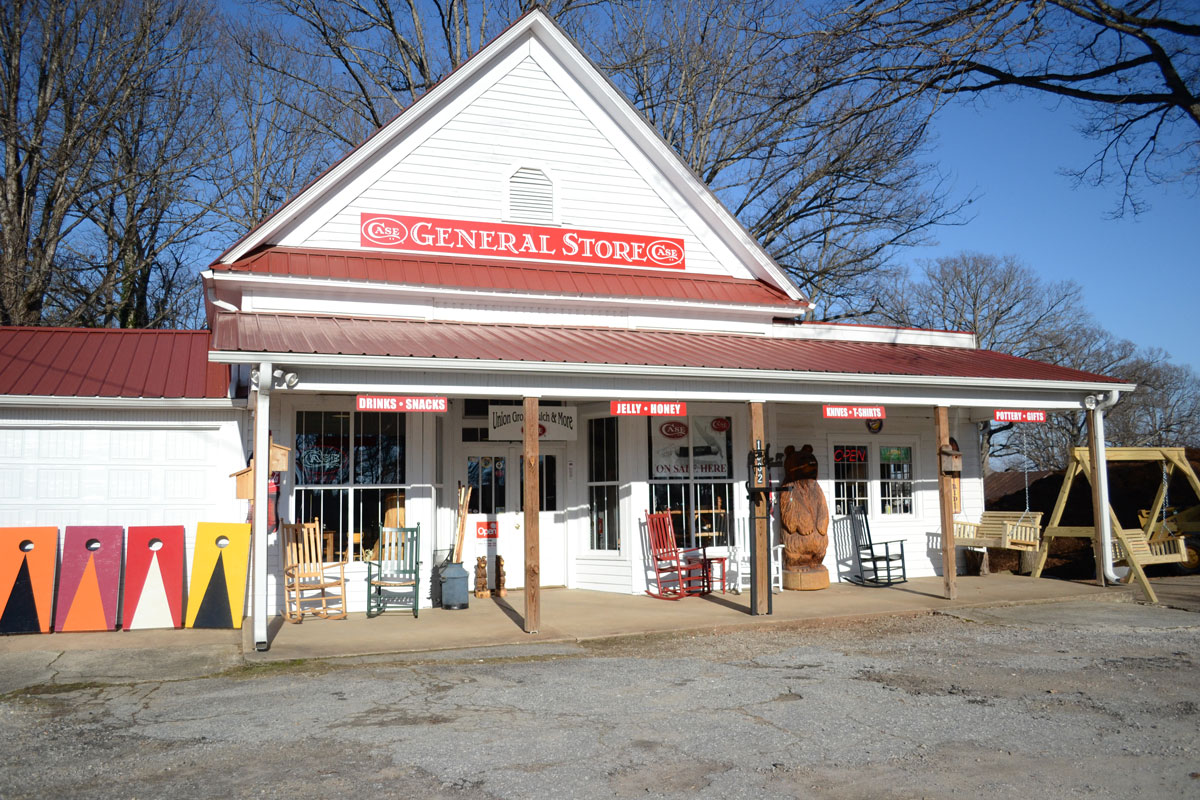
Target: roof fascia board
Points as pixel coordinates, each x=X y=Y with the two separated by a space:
x=711 y=214
x=433 y=108
x=733 y=374
x=121 y=402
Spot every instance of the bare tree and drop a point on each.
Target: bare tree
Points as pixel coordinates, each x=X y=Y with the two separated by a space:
x=100 y=139
x=1133 y=68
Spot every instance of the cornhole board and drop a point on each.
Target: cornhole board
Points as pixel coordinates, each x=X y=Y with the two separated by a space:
x=217 y=592
x=153 y=577
x=89 y=578
x=28 y=557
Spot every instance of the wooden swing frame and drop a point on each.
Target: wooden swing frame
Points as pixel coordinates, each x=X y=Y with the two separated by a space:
x=1136 y=547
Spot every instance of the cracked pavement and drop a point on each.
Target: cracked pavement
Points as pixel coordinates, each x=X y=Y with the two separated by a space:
x=1049 y=700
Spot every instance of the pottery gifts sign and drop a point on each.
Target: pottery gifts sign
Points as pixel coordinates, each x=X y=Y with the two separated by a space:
x=529 y=242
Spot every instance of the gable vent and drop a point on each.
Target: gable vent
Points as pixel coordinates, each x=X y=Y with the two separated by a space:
x=530 y=196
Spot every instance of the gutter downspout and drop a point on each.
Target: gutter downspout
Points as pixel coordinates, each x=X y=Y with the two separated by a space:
x=1101 y=471
x=262 y=462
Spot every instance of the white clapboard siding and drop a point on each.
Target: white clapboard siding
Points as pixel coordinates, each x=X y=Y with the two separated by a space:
x=524 y=120
x=605 y=574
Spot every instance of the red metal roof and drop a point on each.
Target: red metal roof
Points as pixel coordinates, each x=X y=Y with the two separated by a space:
x=105 y=362
x=281 y=333
x=509 y=276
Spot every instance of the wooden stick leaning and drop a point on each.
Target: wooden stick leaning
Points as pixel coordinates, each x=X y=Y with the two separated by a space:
x=464 y=499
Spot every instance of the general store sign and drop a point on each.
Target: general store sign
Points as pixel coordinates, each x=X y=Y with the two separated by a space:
x=1003 y=415
x=531 y=242
x=374 y=402
x=555 y=423
x=646 y=408
x=854 y=412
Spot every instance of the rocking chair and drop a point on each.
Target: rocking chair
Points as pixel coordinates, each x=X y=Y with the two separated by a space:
x=394 y=578
x=879 y=563
x=677 y=573
x=305 y=571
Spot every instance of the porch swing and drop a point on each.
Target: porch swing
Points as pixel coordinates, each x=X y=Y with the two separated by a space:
x=1006 y=530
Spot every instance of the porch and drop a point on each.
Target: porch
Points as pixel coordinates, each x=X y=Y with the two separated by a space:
x=571 y=615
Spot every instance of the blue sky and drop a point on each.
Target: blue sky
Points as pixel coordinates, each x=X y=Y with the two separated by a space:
x=1140 y=275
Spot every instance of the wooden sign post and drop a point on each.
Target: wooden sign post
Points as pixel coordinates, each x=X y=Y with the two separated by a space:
x=941 y=422
x=533 y=491
x=760 y=562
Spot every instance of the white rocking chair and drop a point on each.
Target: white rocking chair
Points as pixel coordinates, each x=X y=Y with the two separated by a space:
x=739 y=568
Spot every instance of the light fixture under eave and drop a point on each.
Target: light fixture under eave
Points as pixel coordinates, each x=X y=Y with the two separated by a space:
x=1090 y=402
x=290 y=380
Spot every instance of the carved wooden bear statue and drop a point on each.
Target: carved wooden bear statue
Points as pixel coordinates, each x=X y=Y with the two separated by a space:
x=804 y=516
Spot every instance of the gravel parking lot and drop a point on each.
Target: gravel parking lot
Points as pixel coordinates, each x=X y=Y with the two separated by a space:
x=1041 y=701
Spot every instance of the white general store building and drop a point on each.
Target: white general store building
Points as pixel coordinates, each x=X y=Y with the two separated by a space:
x=521 y=232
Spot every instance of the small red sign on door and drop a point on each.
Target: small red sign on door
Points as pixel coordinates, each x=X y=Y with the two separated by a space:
x=643 y=408
x=487 y=530
x=854 y=412
x=1003 y=415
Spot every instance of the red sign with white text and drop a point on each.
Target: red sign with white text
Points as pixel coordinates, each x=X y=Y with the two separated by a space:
x=642 y=408
x=531 y=242
x=487 y=530
x=373 y=402
x=854 y=412
x=1020 y=416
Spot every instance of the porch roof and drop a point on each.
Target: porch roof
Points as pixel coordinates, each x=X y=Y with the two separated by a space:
x=109 y=363
x=511 y=276
x=583 y=346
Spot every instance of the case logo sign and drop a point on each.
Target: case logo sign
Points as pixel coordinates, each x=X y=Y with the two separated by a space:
x=526 y=242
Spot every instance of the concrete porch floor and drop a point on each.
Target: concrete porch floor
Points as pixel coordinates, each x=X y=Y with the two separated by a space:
x=571 y=615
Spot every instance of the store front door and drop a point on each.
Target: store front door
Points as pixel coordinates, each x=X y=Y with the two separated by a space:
x=495 y=519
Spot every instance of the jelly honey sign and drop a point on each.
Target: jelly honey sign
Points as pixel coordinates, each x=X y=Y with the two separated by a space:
x=527 y=242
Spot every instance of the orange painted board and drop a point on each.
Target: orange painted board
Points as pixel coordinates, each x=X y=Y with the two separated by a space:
x=89 y=580
x=28 y=560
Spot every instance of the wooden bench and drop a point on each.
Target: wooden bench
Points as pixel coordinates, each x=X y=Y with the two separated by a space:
x=1009 y=530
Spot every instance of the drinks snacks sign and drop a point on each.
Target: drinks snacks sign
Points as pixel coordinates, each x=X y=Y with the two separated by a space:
x=371 y=402
x=530 y=242
x=1020 y=416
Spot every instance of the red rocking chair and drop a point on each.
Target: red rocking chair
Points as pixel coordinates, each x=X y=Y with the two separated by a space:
x=677 y=573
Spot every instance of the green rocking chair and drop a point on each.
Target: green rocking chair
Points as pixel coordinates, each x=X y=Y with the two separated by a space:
x=394 y=577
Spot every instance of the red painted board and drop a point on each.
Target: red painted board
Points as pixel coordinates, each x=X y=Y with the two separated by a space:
x=28 y=557
x=154 y=551
x=89 y=579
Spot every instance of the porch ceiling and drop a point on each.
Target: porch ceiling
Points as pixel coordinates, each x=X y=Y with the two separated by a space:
x=464 y=342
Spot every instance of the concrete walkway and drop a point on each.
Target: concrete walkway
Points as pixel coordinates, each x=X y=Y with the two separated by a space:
x=567 y=616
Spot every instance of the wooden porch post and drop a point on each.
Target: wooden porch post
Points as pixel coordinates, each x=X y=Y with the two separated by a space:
x=760 y=562
x=1098 y=509
x=941 y=422
x=532 y=496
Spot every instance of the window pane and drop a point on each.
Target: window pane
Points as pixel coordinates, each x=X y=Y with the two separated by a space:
x=895 y=480
x=850 y=471
x=331 y=507
x=322 y=448
x=669 y=448
x=712 y=518
x=676 y=499
x=602 y=505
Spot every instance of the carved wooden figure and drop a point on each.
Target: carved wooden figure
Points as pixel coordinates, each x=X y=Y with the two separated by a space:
x=481 y=587
x=500 y=590
x=804 y=516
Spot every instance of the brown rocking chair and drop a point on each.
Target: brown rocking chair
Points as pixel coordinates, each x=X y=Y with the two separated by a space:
x=677 y=573
x=305 y=571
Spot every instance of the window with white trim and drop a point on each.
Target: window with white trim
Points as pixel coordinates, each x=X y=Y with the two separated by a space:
x=603 y=485
x=851 y=472
x=895 y=479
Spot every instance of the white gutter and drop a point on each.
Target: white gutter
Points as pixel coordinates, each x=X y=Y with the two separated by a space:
x=1100 y=469
x=121 y=402
x=641 y=370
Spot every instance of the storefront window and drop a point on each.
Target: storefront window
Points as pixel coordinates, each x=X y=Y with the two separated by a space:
x=850 y=474
x=547 y=483
x=603 y=485
x=351 y=511
x=486 y=477
x=895 y=480
x=691 y=473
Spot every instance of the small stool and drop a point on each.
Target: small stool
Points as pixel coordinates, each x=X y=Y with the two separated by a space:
x=709 y=563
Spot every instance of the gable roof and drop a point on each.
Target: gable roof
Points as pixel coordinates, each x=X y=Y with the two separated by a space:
x=109 y=363
x=525 y=277
x=534 y=25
